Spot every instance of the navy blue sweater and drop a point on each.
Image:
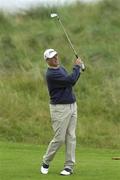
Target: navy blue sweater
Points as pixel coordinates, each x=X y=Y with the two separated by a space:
x=60 y=84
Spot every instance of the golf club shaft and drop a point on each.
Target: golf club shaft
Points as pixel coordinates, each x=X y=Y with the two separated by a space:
x=71 y=45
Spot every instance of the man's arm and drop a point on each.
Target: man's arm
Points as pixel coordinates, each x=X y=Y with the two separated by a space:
x=61 y=80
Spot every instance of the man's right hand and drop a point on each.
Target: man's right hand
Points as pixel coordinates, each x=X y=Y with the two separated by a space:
x=78 y=62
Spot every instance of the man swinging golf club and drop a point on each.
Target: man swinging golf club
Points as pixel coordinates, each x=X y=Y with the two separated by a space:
x=63 y=110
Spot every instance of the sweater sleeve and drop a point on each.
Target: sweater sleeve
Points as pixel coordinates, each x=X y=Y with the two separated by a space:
x=64 y=80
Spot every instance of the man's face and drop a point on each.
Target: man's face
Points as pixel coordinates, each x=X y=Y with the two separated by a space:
x=54 y=62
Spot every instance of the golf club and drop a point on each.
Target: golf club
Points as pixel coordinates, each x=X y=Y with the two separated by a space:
x=55 y=15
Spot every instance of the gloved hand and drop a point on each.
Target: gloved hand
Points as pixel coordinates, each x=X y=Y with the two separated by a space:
x=79 y=62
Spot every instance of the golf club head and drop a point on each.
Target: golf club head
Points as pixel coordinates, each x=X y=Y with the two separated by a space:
x=53 y=15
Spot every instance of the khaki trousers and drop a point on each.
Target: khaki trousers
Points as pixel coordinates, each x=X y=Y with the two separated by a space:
x=63 y=117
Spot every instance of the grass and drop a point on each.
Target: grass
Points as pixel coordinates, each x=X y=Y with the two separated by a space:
x=24 y=109
x=22 y=161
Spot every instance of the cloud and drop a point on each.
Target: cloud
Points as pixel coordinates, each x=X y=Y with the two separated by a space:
x=14 y=5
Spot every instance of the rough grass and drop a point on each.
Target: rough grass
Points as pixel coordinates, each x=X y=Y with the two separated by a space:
x=24 y=110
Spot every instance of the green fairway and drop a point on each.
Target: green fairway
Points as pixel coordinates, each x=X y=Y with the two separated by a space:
x=22 y=162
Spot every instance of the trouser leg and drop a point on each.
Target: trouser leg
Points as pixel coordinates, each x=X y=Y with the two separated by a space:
x=60 y=116
x=70 y=140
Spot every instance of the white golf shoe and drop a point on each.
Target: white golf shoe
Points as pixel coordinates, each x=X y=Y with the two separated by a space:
x=66 y=172
x=44 y=168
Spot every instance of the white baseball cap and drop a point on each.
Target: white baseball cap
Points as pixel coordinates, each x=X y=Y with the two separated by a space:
x=49 y=53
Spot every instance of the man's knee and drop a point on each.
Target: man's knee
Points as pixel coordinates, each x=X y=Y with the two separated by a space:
x=71 y=137
x=60 y=140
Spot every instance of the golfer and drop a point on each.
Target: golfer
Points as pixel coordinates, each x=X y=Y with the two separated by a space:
x=63 y=110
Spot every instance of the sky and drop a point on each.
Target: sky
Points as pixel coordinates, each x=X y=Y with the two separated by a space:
x=14 y=5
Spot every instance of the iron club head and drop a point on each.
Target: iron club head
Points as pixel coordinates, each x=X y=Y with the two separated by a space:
x=53 y=15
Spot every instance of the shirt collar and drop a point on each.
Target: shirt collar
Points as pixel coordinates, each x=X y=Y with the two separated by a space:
x=52 y=67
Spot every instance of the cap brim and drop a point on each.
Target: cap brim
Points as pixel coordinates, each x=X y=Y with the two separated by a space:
x=52 y=54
